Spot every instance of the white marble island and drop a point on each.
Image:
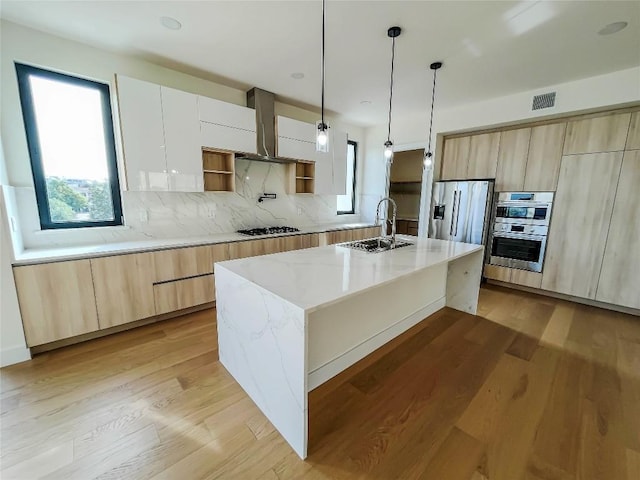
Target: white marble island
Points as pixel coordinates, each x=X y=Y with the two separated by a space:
x=289 y=322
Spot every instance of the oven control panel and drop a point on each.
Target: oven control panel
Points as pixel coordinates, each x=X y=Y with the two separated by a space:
x=518 y=228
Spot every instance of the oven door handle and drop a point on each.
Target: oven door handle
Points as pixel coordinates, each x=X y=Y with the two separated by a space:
x=519 y=236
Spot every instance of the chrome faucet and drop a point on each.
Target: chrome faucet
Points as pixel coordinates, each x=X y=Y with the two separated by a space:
x=393 y=219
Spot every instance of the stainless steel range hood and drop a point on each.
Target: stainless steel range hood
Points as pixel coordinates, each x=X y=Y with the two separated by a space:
x=263 y=103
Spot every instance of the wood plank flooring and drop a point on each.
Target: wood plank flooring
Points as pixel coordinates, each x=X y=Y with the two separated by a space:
x=532 y=388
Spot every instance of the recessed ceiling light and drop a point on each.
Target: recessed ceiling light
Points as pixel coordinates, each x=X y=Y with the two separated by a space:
x=297 y=75
x=614 y=27
x=170 y=23
x=365 y=102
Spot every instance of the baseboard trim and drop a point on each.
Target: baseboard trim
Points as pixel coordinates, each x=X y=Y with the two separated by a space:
x=118 y=328
x=332 y=368
x=13 y=355
x=570 y=298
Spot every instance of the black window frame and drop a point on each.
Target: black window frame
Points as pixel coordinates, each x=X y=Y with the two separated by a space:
x=353 y=189
x=33 y=142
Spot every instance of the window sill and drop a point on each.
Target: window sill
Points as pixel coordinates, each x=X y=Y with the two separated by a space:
x=57 y=231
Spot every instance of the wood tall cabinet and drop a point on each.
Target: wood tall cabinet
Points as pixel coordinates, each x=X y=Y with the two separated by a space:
x=512 y=160
x=580 y=222
x=598 y=134
x=56 y=300
x=544 y=157
x=124 y=288
x=455 y=158
x=633 y=138
x=483 y=155
x=619 y=281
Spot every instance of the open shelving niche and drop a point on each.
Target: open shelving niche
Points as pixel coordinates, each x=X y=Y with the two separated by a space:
x=301 y=177
x=219 y=171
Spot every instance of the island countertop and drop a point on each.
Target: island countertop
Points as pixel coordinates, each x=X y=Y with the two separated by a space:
x=317 y=277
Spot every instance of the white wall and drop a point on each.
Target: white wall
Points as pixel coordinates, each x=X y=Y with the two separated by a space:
x=616 y=89
x=13 y=348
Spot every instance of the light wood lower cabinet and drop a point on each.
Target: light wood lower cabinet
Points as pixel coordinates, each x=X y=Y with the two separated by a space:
x=619 y=281
x=185 y=293
x=341 y=236
x=580 y=222
x=496 y=272
x=526 y=278
x=124 y=288
x=56 y=300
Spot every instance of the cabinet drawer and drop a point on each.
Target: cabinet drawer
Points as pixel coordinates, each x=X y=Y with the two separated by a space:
x=180 y=294
x=187 y=262
x=227 y=138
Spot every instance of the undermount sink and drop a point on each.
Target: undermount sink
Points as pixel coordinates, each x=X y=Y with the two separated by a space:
x=375 y=245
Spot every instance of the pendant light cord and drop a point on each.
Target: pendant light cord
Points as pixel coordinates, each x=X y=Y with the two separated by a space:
x=393 y=55
x=323 y=67
x=433 y=97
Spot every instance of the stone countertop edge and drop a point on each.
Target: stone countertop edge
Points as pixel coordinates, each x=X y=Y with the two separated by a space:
x=79 y=252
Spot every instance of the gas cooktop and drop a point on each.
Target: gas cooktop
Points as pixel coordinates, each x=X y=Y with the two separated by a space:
x=267 y=231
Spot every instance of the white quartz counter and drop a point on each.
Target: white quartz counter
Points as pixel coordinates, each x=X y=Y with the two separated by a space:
x=317 y=277
x=34 y=256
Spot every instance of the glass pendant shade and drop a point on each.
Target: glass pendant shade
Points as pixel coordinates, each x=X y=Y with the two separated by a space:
x=428 y=159
x=388 y=150
x=322 y=137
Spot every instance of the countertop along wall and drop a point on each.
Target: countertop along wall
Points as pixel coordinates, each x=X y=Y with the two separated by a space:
x=148 y=214
x=599 y=93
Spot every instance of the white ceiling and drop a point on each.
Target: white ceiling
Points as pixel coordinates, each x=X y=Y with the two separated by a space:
x=489 y=48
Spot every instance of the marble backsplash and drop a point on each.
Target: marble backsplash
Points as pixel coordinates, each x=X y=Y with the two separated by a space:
x=159 y=215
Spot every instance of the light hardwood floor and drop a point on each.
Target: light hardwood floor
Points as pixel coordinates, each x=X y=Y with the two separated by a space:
x=532 y=388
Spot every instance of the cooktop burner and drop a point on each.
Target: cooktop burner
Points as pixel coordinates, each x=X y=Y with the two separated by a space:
x=267 y=231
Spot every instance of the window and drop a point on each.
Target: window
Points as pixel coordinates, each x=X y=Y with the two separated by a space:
x=73 y=158
x=346 y=203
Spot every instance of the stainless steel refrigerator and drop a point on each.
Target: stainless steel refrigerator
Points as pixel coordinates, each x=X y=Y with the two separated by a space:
x=461 y=210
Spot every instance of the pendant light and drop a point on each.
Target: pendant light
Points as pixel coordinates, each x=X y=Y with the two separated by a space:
x=322 y=129
x=392 y=33
x=428 y=160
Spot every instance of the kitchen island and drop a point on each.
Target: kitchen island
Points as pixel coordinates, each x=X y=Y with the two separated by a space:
x=288 y=322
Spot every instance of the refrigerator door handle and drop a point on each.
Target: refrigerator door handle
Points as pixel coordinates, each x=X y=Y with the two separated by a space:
x=453 y=213
x=458 y=212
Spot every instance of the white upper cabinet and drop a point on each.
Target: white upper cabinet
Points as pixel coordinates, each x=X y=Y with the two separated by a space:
x=140 y=108
x=296 y=149
x=297 y=140
x=227 y=126
x=229 y=114
x=182 y=140
x=223 y=137
x=290 y=128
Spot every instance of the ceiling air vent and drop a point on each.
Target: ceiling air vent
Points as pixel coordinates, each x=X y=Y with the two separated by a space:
x=546 y=100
